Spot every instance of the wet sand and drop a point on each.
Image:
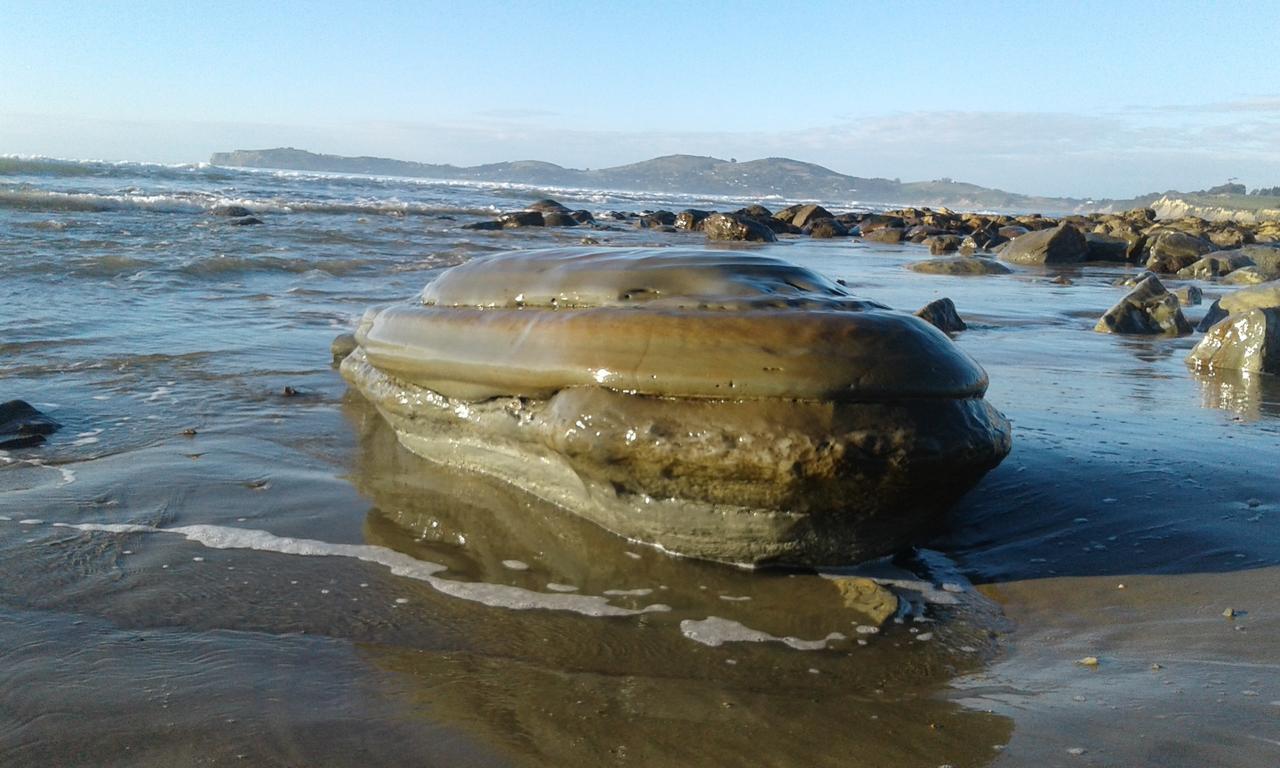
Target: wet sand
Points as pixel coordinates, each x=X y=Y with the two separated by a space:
x=304 y=647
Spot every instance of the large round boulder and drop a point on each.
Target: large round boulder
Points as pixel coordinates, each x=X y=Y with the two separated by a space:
x=723 y=405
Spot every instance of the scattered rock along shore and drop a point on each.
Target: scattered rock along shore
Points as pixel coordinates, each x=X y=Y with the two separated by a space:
x=1229 y=252
x=728 y=406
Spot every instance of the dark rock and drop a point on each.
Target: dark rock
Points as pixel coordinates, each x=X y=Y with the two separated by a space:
x=780 y=227
x=583 y=217
x=245 y=221
x=234 y=211
x=656 y=220
x=869 y=222
x=731 y=226
x=558 y=219
x=825 y=228
x=1170 y=251
x=884 y=235
x=483 y=225
x=1249 y=341
x=1147 y=309
x=807 y=214
x=521 y=219
x=690 y=219
x=1062 y=244
x=22 y=426
x=1106 y=248
x=1011 y=231
x=756 y=212
x=942 y=315
x=940 y=244
x=546 y=206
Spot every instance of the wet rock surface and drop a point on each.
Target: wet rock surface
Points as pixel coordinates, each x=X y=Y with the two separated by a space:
x=960 y=265
x=729 y=407
x=22 y=426
x=1148 y=309
x=1248 y=341
x=1062 y=244
x=942 y=314
x=732 y=226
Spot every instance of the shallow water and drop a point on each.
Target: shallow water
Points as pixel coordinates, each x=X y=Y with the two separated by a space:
x=289 y=586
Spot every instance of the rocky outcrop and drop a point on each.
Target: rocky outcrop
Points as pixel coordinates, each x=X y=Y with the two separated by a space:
x=1062 y=244
x=1250 y=275
x=1216 y=265
x=960 y=265
x=1106 y=248
x=723 y=405
x=800 y=215
x=884 y=235
x=1265 y=257
x=1170 y=251
x=656 y=220
x=942 y=314
x=22 y=426
x=559 y=219
x=1248 y=341
x=825 y=229
x=521 y=219
x=1147 y=309
x=940 y=244
x=547 y=206
x=1263 y=296
x=690 y=219
x=732 y=226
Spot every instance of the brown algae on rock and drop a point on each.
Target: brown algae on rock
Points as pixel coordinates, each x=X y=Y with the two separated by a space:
x=722 y=405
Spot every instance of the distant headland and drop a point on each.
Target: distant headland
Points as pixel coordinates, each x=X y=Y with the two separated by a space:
x=771 y=176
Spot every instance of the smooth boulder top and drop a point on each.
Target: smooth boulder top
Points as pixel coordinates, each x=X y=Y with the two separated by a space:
x=663 y=322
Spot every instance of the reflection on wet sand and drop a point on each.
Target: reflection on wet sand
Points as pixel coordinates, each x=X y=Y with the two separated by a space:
x=1250 y=396
x=556 y=689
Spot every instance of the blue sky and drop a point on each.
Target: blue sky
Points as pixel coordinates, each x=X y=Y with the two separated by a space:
x=1085 y=98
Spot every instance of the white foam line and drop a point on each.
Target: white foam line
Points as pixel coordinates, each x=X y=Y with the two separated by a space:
x=68 y=475
x=715 y=631
x=400 y=564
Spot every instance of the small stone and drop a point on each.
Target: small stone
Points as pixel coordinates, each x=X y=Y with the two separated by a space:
x=1076 y=751
x=290 y=392
x=868 y=598
x=1088 y=661
x=1230 y=613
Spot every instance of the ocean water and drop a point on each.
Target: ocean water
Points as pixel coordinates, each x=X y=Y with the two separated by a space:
x=198 y=569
